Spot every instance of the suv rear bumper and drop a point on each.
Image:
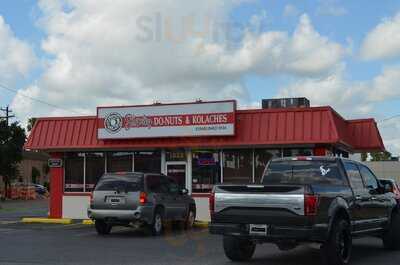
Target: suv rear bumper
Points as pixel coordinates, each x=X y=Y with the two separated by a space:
x=141 y=214
x=317 y=233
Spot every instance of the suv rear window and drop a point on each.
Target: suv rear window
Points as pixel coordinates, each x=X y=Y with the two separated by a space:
x=128 y=183
x=302 y=172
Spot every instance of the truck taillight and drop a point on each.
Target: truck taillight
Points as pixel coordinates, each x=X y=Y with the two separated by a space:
x=91 y=198
x=310 y=205
x=143 y=198
x=212 y=203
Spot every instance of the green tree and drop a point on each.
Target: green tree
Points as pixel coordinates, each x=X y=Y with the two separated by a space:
x=364 y=156
x=12 y=139
x=31 y=123
x=381 y=156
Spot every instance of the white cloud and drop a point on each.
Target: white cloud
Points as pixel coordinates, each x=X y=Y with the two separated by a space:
x=352 y=98
x=335 y=90
x=390 y=130
x=257 y=20
x=290 y=11
x=386 y=85
x=305 y=53
x=383 y=41
x=16 y=56
x=331 y=8
x=132 y=52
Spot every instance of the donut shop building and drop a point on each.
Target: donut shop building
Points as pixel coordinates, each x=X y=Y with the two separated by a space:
x=199 y=144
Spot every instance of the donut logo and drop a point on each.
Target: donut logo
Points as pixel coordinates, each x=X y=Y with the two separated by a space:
x=113 y=122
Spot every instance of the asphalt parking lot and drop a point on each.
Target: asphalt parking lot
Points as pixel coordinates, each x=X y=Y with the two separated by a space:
x=14 y=210
x=79 y=244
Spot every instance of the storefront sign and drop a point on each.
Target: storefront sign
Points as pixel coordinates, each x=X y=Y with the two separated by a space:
x=169 y=120
x=54 y=162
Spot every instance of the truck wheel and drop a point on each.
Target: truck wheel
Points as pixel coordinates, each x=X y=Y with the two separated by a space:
x=391 y=238
x=190 y=218
x=157 y=225
x=337 y=250
x=238 y=249
x=102 y=227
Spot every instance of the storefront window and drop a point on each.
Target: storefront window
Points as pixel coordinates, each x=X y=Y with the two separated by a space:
x=73 y=179
x=148 y=161
x=94 y=169
x=119 y=162
x=297 y=152
x=262 y=157
x=176 y=155
x=206 y=170
x=238 y=166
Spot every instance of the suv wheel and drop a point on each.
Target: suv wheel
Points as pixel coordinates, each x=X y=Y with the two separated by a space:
x=391 y=238
x=102 y=227
x=190 y=218
x=238 y=249
x=337 y=250
x=157 y=225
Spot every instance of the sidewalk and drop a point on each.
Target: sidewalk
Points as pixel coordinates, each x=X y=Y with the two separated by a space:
x=15 y=210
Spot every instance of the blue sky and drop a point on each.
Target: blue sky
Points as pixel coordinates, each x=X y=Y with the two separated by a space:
x=342 y=26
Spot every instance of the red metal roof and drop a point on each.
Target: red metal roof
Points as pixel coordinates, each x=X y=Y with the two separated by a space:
x=316 y=125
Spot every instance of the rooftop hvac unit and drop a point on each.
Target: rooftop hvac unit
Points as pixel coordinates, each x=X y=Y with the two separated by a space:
x=281 y=103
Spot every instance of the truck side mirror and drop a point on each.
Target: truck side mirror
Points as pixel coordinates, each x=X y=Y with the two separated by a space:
x=184 y=191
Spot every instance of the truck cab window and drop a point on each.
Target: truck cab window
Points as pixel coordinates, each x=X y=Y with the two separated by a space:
x=370 y=180
x=354 y=175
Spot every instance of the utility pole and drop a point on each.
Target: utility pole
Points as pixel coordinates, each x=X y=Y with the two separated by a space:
x=8 y=114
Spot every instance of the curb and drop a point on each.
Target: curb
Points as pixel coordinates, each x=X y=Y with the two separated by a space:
x=87 y=222
x=63 y=221
x=197 y=224
x=200 y=224
x=66 y=221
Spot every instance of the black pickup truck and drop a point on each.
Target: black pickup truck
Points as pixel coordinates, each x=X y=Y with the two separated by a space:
x=323 y=200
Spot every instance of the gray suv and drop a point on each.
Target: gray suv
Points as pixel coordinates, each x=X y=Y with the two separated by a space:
x=140 y=199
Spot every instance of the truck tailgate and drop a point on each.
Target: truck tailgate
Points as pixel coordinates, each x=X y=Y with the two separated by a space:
x=259 y=204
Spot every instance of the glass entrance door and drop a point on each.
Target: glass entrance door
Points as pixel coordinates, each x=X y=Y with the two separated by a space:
x=177 y=171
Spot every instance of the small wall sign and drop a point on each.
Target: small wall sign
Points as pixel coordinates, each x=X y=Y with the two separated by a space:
x=54 y=162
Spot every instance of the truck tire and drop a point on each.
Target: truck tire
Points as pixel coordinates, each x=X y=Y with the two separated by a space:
x=238 y=249
x=391 y=238
x=337 y=249
x=102 y=227
x=157 y=226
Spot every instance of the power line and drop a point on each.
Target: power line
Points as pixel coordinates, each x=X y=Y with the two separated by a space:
x=37 y=100
x=389 y=118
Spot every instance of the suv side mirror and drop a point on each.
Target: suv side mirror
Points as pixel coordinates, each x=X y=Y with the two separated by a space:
x=184 y=191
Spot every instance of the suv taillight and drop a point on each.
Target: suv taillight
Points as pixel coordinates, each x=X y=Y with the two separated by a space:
x=143 y=198
x=310 y=205
x=212 y=203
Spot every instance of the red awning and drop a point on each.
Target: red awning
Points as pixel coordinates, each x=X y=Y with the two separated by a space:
x=261 y=127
